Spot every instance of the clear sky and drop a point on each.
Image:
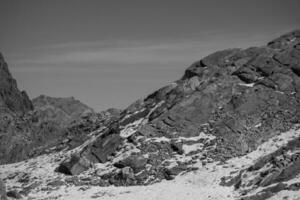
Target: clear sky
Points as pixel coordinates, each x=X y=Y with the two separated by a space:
x=110 y=53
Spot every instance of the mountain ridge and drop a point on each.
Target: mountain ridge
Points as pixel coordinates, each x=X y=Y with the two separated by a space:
x=233 y=117
x=30 y=128
x=65 y=110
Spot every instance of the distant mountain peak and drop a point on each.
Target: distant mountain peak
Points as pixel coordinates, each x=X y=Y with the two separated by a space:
x=63 y=110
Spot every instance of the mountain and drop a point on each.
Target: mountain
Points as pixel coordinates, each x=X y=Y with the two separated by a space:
x=228 y=129
x=12 y=100
x=45 y=124
x=62 y=110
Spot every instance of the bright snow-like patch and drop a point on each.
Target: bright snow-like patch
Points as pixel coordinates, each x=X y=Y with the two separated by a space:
x=182 y=139
x=40 y=170
x=258 y=125
x=130 y=128
x=202 y=184
x=130 y=115
x=199 y=185
x=197 y=146
x=197 y=138
x=247 y=84
x=159 y=139
x=190 y=148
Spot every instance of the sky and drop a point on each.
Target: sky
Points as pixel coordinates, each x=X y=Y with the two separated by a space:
x=109 y=53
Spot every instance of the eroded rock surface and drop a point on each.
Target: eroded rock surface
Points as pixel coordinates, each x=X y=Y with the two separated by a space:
x=12 y=100
x=232 y=107
x=47 y=124
x=224 y=106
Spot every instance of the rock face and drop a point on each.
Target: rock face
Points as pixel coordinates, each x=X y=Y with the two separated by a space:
x=224 y=106
x=39 y=132
x=224 y=111
x=273 y=169
x=12 y=100
x=46 y=124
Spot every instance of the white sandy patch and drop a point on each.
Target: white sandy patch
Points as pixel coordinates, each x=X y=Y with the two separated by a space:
x=247 y=84
x=193 y=147
x=194 y=186
x=130 y=128
x=132 y=114
x=199 y=137
x=258 y=125
x=202 y=184
x=267 y=147
x=159 y=139
x=182 y=139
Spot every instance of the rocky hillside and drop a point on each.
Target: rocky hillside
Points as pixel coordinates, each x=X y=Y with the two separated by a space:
x=45 y=124
x=228 y=129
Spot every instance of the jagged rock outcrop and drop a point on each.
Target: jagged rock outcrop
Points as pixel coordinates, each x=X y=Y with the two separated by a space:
x=46 y=124
x=270 y=174
x=31 y=135
x=234 y=115
x=224 y=106
x=12 y=100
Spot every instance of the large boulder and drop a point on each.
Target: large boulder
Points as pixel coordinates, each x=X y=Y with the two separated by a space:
x=99 y=151
x=74 y=166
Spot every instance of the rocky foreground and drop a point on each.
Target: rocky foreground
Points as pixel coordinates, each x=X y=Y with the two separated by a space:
x=228 y=129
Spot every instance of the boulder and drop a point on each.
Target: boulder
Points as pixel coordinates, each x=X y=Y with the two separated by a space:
x=98 y=151
x=105 y=146
x=74 y=166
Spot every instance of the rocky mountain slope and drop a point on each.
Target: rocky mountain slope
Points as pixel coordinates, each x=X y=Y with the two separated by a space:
x=228 y=129
x=45 y=124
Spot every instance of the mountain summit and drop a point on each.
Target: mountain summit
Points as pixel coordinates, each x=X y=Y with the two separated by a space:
x=12 y=100
x=228 y=129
